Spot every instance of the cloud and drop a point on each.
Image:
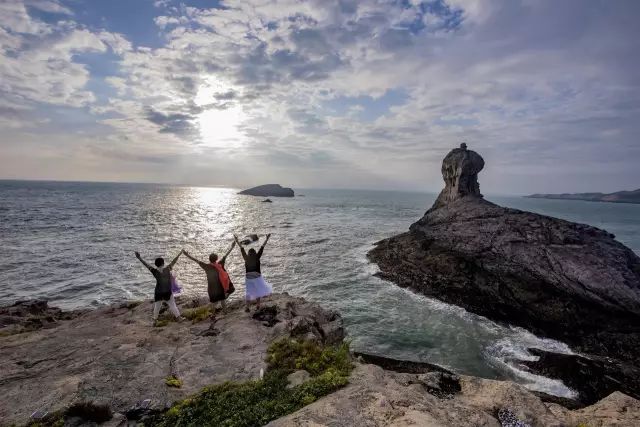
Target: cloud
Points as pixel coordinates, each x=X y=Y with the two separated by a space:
x=288 y=83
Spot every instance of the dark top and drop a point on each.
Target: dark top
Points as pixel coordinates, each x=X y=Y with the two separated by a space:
x=214 y=286
x=163 y=283
x=252 y=262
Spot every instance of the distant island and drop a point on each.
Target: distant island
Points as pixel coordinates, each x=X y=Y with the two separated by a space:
x=617 y=197
x=268 y=190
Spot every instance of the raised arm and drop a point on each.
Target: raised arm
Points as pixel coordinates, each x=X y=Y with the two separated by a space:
x=263 y=245
x=188 y=255
x=172 y=263
x=244 y=254
x=224 y=258
x=143 y=261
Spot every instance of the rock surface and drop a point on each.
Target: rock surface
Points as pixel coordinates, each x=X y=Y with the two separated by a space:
x=560 y=279
x=379 y=398
x=113 y=355
x=269 y=190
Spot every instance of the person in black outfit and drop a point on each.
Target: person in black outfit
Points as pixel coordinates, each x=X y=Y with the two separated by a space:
x=255 y=285
x=162 y=292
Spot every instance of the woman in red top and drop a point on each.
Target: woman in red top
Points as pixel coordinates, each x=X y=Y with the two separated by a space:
x=219 y=285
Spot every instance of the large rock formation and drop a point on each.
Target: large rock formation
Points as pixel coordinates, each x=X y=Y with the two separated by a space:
x=268 y=190
x=559 y=279
x=460 y=172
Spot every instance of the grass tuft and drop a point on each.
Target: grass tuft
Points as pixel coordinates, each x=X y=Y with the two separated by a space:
x=173 y=381
x=198 y=314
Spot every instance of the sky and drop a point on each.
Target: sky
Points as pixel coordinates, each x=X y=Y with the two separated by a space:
x=322 y=94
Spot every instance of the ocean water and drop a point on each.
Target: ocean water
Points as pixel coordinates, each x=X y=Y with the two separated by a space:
x=73 y=244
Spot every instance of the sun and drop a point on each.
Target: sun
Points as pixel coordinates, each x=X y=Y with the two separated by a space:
x=220 y=128
x=219 y=122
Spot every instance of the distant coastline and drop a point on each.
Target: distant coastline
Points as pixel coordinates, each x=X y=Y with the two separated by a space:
x=617 y=197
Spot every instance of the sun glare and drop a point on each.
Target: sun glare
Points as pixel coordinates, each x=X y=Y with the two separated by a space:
x=220 y=121
x=219 y=128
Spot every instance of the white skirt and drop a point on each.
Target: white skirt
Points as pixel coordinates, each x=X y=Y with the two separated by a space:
x=257 y=288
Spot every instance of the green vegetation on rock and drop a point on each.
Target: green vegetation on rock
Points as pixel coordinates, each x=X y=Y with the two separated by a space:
x=173 y=381
x=255 y=403
x=198 y=314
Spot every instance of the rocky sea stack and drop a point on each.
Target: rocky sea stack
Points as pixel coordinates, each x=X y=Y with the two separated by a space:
x=559 y=279
x=269 y=190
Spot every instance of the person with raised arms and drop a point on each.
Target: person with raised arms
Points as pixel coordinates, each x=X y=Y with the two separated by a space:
x=162 y=293
x=219 y=285
x=255 y=285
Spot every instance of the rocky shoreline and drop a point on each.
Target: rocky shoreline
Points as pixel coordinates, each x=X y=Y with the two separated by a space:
x=113 y=357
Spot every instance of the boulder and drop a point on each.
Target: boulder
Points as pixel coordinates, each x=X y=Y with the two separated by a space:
x=560 y=279
x=268 y=190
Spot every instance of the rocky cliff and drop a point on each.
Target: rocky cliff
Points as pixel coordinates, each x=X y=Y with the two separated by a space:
x=130 y=370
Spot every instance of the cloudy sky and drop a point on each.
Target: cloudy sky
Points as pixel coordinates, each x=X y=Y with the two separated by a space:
x=327 y=94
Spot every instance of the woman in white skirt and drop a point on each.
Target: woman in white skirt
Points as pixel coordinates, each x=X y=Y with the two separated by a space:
x=255 y=285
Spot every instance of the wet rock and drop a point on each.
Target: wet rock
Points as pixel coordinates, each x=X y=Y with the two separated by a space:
x=593 y=377
x=396 y=365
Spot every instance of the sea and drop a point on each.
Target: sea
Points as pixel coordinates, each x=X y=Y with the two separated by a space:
x=73 y=243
